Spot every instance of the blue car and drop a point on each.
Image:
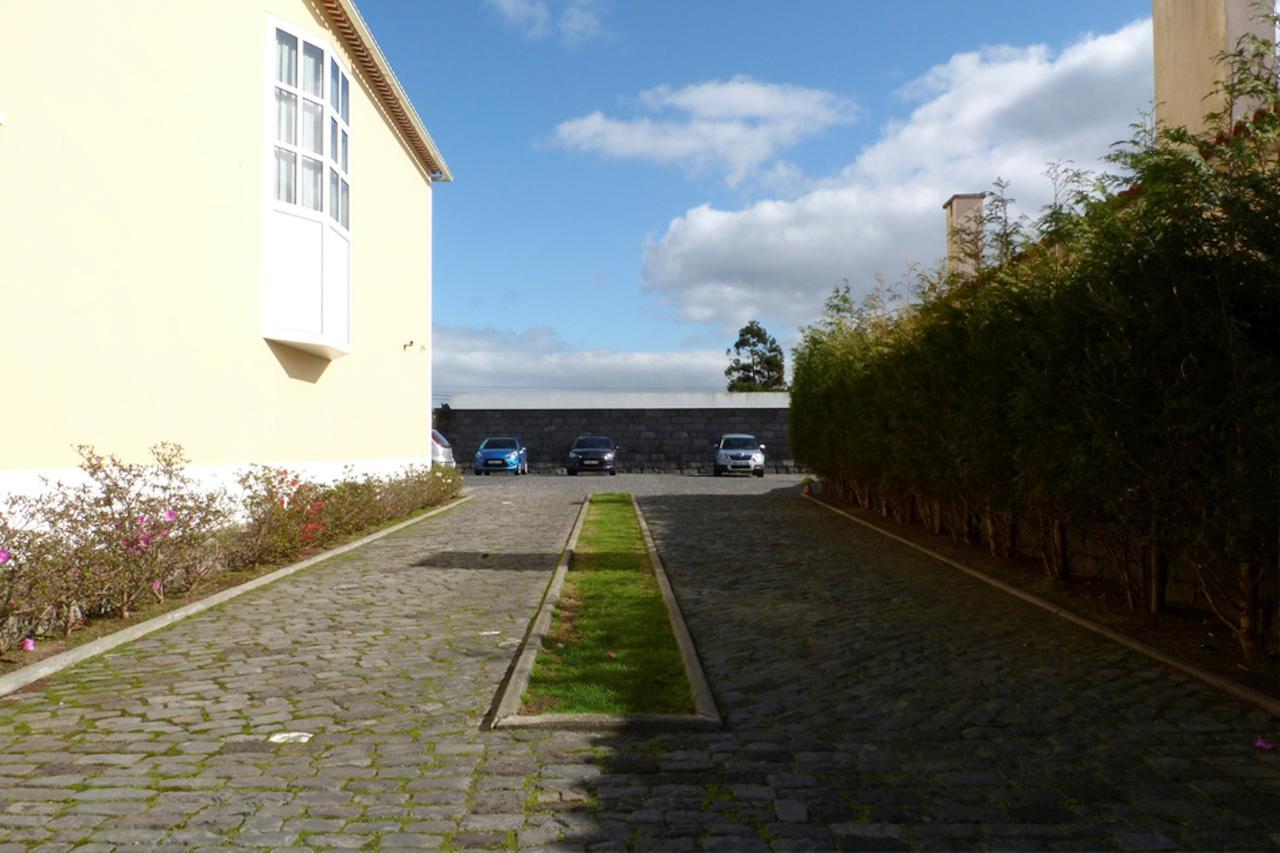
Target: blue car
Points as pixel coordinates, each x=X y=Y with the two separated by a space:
x=502 y=453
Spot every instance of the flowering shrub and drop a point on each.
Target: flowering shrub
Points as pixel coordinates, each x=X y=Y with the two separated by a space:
x=275 y=501
x=288 y=516
x=129 y=532
x=136 y=533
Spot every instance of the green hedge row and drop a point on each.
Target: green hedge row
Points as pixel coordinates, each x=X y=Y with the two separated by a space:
x=1113 y=369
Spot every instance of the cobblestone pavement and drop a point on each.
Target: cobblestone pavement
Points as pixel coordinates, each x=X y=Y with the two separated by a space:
x=874 y=699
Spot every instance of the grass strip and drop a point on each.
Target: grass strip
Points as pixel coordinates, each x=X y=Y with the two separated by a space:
x=610 y=649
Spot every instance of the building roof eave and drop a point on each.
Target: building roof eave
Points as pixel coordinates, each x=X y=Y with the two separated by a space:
x=363 y=48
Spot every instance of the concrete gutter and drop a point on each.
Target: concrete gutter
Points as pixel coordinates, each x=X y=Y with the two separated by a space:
x=705 y=715
x=20 y=678
x=1239 y=691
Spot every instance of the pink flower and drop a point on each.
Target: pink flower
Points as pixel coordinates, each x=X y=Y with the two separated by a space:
x=142 y=519
x=28 y=644
x=1263 y=744
x=144 y=540
x=170 y=515
x=157 y=586
x=4 y=556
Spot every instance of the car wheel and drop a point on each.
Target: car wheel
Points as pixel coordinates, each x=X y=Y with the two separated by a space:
x=571 y=472
x=759 y=472
x=717 y=471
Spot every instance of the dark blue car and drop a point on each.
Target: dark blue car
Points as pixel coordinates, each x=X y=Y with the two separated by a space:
x=502 y=453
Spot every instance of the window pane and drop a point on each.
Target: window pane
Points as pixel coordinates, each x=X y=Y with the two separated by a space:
x=345 y=92
x=286 y=117
x=333 y=139
x=335 y=208
x=312 y=126
x=286 y=58
x=334 y=86
x=285 y=161
x=312 y=70
x=344 y=152
x=312 y=183
x=346 y=209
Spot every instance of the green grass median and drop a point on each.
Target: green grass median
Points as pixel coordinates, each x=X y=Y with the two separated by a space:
x=610 y=649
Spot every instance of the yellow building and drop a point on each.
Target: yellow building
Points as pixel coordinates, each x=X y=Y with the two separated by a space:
x=1190 y=38
x=215 y=229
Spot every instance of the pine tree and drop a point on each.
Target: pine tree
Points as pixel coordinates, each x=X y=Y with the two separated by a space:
x=757 y=363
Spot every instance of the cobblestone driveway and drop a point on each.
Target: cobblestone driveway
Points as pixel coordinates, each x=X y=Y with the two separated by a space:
x=875 y=700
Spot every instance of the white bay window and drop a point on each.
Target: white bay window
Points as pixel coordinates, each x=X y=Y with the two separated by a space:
x=306 y=240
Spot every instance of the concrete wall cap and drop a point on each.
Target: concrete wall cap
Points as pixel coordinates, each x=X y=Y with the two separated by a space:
x=512 y=400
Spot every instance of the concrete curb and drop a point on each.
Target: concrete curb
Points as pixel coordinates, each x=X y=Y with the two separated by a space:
x=1239 y=691
x=509 y=705
x=20 y=678
x=706 y=715
x=704 y=704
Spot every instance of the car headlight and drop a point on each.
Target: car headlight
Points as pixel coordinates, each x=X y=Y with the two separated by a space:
x=512 y=455
x=722 y=457
x=608 y=457
x=573 y=454
x=479 y=455
x=757 y=457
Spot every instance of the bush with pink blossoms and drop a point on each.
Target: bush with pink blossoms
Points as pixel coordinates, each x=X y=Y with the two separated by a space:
x=131 y=534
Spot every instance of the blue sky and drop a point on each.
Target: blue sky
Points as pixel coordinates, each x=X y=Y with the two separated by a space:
x=633 y=181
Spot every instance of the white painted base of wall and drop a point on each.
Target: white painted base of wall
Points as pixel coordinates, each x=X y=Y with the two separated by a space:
x=211 y=477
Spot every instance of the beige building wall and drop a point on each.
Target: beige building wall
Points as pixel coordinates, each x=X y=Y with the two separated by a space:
x=964 y=232
x=133 y=152
x=1190 y=36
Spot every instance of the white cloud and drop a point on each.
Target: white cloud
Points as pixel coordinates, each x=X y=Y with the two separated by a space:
x=530 y=17
x=468 y=359
x=999 y=112
x=580 y=21
x=735 y=125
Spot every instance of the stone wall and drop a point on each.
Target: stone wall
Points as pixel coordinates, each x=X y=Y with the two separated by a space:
x=667 y=440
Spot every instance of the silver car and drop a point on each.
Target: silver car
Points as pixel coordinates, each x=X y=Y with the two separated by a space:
x=441 y=451
x=738 y=452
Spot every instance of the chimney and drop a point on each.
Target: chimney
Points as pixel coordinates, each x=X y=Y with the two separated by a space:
x=1189 y=36
x=964 y=233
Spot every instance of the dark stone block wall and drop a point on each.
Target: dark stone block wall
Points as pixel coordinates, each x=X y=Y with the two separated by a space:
x=651 y=439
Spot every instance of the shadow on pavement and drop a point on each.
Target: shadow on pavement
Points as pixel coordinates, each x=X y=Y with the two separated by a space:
x=874 y=699
x=484 y=561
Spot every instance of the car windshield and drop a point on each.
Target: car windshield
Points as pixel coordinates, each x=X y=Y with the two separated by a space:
x=738 y=442
x=499 y=444
x=592 y=442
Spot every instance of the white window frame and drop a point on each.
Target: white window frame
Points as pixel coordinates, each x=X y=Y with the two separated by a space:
x=329 y=160
x=334 y=343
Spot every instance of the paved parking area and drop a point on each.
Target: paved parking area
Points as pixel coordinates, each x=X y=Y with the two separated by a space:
x=875 y=700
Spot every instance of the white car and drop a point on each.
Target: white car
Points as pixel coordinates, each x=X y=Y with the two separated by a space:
x=738 y=452
x=441 y=451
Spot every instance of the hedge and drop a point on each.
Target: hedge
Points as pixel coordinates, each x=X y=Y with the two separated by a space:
x=1113 y=368
x=132 y=534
